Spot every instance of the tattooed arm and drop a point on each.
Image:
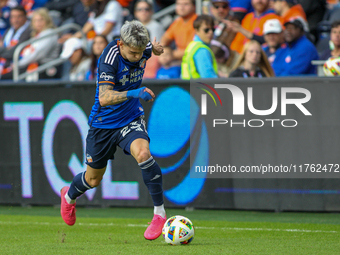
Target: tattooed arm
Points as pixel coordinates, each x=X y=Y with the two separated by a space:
x=107 y=96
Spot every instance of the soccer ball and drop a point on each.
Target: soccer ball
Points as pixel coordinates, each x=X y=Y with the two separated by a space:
x=178 y=230
x=332 y=66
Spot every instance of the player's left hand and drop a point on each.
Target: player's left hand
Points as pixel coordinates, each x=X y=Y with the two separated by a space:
x=151 y=93
x=157 y=48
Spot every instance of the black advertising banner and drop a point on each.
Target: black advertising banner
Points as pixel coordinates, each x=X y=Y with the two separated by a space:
x=43 y=130
x=267 y=130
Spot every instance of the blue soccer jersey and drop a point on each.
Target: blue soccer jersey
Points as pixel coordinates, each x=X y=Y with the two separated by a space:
x=123 y=75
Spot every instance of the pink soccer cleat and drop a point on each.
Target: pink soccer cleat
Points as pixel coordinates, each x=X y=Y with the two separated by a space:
x=67 y=211
x=154 y=230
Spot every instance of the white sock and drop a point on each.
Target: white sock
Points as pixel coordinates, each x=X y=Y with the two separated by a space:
x=159 y=210
x=69 y=200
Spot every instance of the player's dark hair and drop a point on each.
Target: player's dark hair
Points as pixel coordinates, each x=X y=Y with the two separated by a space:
x=207 y=19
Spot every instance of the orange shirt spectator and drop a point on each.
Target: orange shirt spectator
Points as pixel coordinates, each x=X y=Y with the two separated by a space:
x=295 y=11
x=181 y=31
x=254 y=24
x=289 y=9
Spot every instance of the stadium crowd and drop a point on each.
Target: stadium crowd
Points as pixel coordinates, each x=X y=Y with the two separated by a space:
x=231 y=38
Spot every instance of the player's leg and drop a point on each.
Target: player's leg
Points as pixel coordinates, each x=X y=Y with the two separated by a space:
x=152 y=176
x=89 y=179
x=80 y=184
x=100 y=147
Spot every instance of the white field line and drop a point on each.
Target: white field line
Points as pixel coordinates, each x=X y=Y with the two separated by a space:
x=145 y=225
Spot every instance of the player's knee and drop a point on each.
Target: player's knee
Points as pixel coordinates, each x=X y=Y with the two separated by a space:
x=143 y=155
x=94 y=182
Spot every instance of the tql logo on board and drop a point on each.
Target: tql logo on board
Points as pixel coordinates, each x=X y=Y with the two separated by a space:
x=238 y=105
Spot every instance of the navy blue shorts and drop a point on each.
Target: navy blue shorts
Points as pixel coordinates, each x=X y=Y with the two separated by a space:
x=101 y=144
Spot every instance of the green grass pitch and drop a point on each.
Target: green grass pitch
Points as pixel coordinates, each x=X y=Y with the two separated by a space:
x=40 y=230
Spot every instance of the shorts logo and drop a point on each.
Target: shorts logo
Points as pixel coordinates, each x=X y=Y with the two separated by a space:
x=132 y=126
x=89 y=158
x=105 y=76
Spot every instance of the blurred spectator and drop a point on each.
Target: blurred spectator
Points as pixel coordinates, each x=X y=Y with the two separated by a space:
x=252 y=63
x=288 y=9
x=73 y=50
x=4 y=17
x=240 y=8
x=106 y=19
x=252 y=24
x=99 y=44
x=31 y=5
x=181 y=31
x=315 y=11
x=273 y=35
x=198 y=60
x=124 y=3
x=161 y=4
x=331 y=3
x=41 y=51
x=296 y=58
x=221 y=11
x=143 y=12
x=225 y=57
x=18 y=32
x=81 y=11
x=167 y=70
x=80 y=15
x=60 y=10
x=152 y=66
x=334 y=43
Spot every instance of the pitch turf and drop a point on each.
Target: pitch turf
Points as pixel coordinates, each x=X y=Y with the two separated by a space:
x=40 y=230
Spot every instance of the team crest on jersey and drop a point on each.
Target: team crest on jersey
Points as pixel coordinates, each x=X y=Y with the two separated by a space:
x=142 y=62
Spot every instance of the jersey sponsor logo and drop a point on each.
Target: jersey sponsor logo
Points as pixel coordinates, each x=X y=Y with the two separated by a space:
x=136 y=76
x=105 y=76
x=124 y=79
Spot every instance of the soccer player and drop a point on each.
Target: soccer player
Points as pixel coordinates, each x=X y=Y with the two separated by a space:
x=117 y=119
